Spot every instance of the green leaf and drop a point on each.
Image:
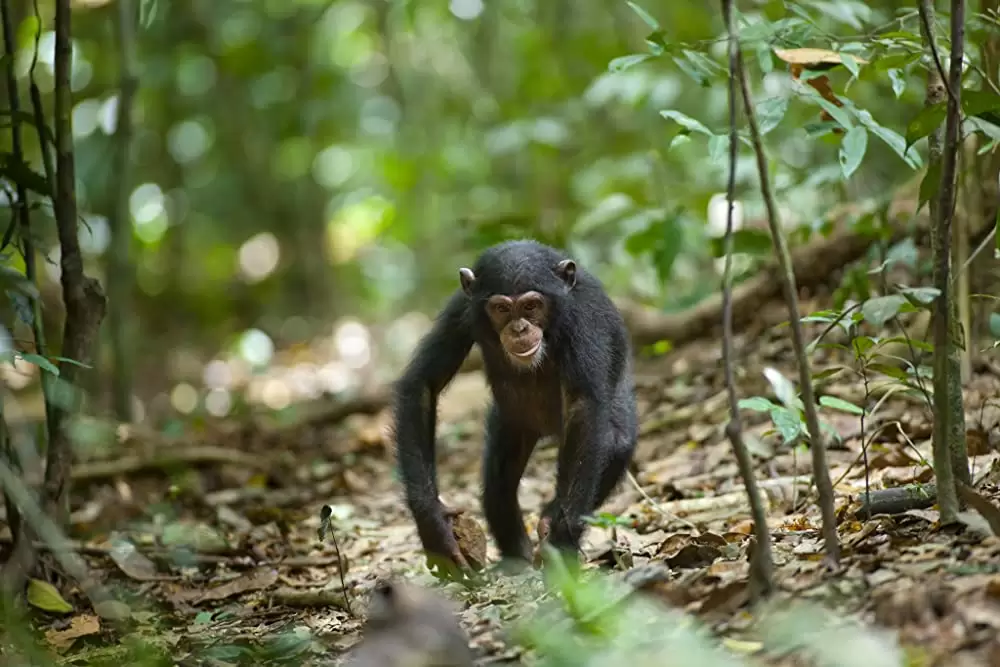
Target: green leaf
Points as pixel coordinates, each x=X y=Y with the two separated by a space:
x=72 y=361
x=929 y=185
x=644 y=15
x=23 y=175
x=718 y=148
x=756 y=404
x=983 y=104
x=623 y=63
x=898 y=81
x=852 y=150
x=840 y=404
x=897 y=60
x=881 y=309
x=837 y=113
x=891 y=138
x=692 y=71
x=755 y=242
x=765 y=58
x=43 y=595
x=851 y=63
x=686 y=122
x=788 y=423
x=921 y=296
x=995 y=325
x=924 y=123
x=783 y=388
x=147 y=12
x=41 y=362
x=770 y=112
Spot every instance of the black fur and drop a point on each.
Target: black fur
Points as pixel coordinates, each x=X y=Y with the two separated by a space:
x=582 y=391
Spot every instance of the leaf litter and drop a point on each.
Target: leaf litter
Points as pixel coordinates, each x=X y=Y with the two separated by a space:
x=223 y=555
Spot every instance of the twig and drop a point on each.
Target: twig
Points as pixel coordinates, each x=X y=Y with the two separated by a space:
x=656 y=506
x=821 y=472
x=762 y=560
x=166 y=457
x=946 y=469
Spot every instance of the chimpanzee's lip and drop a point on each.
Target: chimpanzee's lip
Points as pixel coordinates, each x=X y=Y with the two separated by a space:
x=530 y=352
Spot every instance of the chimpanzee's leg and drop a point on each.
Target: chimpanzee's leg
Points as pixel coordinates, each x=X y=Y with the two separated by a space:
x=598 y=443
x=508 y=448
x=625 y=434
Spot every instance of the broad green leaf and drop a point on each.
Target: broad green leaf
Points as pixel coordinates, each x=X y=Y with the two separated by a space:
x=930 y=185
x=623 y=63
x=644 y=15
x=862 y=345
x=783 y=388
x=41 y=362
x=921 y=295
x=788 y=422
x=43 y=595
x=881 y=309
x=852 y=150
x=840 y=404
x=984 y=104
x=755 y=242
x=692 y=71
x=836 y=112
x=851 y=63
x=896 y=60
x=686 y=122
x=924 y=123
x=764 y=58
x=770 y=112
x=756 y=404
x=665 y=252
x=718 y=148
x=148 y=9
x=898 y=81
x=679 y=139
x=23 y=175
x=995 y=325
x=894 y=141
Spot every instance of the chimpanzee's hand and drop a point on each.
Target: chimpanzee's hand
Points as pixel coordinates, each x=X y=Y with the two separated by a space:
x=556 y=527
x=444 y=556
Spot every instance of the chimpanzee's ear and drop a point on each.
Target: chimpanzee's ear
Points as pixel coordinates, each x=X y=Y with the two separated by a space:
x=468 y=279
x=566 y=270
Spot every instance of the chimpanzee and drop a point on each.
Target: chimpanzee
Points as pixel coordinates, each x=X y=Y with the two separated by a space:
x=558 y=362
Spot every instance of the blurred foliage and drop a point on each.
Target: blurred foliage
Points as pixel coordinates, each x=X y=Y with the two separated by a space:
x=595 y=619
x=298 y=160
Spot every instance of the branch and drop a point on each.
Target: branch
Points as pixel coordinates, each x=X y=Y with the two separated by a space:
x=821 y=472
x=762 y=560
x=120 y=279
x=82 y=296
x=944 y=471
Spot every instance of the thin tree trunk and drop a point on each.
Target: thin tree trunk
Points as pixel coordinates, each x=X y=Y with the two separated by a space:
x=120 y=274
x=83 y=297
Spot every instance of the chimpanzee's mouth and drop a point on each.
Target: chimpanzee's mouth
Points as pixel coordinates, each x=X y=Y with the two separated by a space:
x=529 y=352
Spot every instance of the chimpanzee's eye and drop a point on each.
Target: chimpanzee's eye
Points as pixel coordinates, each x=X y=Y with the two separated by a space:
x=502 y=308
x=530 y=306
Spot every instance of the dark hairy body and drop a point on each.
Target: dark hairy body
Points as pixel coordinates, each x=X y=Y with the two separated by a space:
x=558 y=362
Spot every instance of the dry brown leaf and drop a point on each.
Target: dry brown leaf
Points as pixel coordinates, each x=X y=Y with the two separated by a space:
x=79 y=626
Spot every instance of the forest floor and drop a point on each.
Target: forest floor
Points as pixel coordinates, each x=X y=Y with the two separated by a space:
x=255 y=576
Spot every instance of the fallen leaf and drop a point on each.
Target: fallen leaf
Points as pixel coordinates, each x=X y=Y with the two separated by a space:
x=79 y=626
x=44 y=596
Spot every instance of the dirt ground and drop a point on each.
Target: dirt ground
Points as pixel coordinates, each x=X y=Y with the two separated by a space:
x=243 y=511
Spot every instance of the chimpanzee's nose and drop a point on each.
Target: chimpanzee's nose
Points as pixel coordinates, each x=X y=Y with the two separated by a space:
x=520 y=326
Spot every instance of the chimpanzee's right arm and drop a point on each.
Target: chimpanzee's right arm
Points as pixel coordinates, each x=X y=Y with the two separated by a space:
x=435 y=362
